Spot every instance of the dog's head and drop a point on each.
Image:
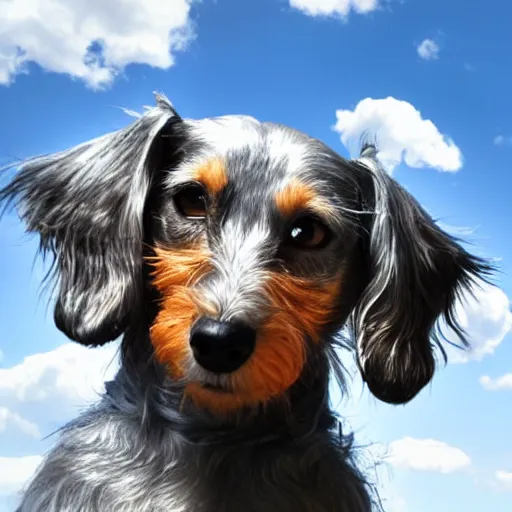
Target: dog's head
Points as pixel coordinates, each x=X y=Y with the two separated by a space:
x=261 y=243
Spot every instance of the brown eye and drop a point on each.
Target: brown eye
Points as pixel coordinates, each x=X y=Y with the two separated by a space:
x=308 y=233
x=191 y=202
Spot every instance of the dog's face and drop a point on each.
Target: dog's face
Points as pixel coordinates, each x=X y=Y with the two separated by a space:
x=260 y=242
x=252 y=237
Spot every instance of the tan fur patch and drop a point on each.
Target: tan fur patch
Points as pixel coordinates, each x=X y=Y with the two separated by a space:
x=212 y=175
x=173 y=275
x=296 y=196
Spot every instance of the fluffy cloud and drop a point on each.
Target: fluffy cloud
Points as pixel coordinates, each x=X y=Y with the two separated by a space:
x=427 y=455
x=13 y=419
x=486 y=318
x=48 y=388
x=92 y=40
x=503 y=382
x=428 y=49
x=16 y=471
x=54 y=384
x=505 y=479
x=334 y=7
x=401 y=133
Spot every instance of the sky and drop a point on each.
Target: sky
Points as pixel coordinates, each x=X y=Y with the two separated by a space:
x=428 y=79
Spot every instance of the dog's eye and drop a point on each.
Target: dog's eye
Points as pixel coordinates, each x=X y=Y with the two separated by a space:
x=308 y=233
x=191 y=202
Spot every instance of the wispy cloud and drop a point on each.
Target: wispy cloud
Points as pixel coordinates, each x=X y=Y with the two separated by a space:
x=341 y=8
x=9 y=418
x=503 y=140
x=428 y=49
x=504 y=478
x=497 y=384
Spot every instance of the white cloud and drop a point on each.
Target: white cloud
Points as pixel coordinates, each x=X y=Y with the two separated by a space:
x=486 y=318
x=503 y=382
x=334 y=7
x=49 y=387
x=16 y=471
x=9 y=418
x=505 y=479
x=93 y=40
x=428 y=49
x=427 y=455
x=503 y=140
x=401 y=133
x=58 y=381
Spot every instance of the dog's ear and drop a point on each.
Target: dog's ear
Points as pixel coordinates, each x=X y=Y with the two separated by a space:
x=416 y=273
x=87 y=205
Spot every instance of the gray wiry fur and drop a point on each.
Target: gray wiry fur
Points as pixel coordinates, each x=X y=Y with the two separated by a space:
x=100 y=207
x=109 y=459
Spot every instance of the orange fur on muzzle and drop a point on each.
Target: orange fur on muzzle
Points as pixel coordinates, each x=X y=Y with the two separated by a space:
x=174 y=273
x=299 y=309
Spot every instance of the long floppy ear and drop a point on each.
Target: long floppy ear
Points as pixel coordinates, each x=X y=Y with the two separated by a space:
x=416 y=274
x=87 y=205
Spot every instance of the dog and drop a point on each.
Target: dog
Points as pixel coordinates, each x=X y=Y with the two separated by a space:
x=229 y=254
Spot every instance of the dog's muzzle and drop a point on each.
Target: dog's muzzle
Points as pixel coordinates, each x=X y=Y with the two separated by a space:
x=221 y=347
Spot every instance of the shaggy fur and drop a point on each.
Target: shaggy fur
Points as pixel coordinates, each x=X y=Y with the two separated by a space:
x=295 y=243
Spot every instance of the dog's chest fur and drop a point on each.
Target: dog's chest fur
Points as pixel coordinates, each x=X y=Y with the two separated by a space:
x=105 y=463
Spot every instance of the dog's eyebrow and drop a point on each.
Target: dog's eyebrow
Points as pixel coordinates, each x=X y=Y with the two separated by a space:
x=297 y=195
x=212 y=174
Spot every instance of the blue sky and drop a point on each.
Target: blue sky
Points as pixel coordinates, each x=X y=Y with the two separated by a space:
x=332 y=68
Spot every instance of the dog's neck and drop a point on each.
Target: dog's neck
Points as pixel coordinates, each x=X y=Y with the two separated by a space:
x=142 y=389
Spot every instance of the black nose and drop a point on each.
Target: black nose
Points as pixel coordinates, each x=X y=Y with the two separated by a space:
x=221 y=347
